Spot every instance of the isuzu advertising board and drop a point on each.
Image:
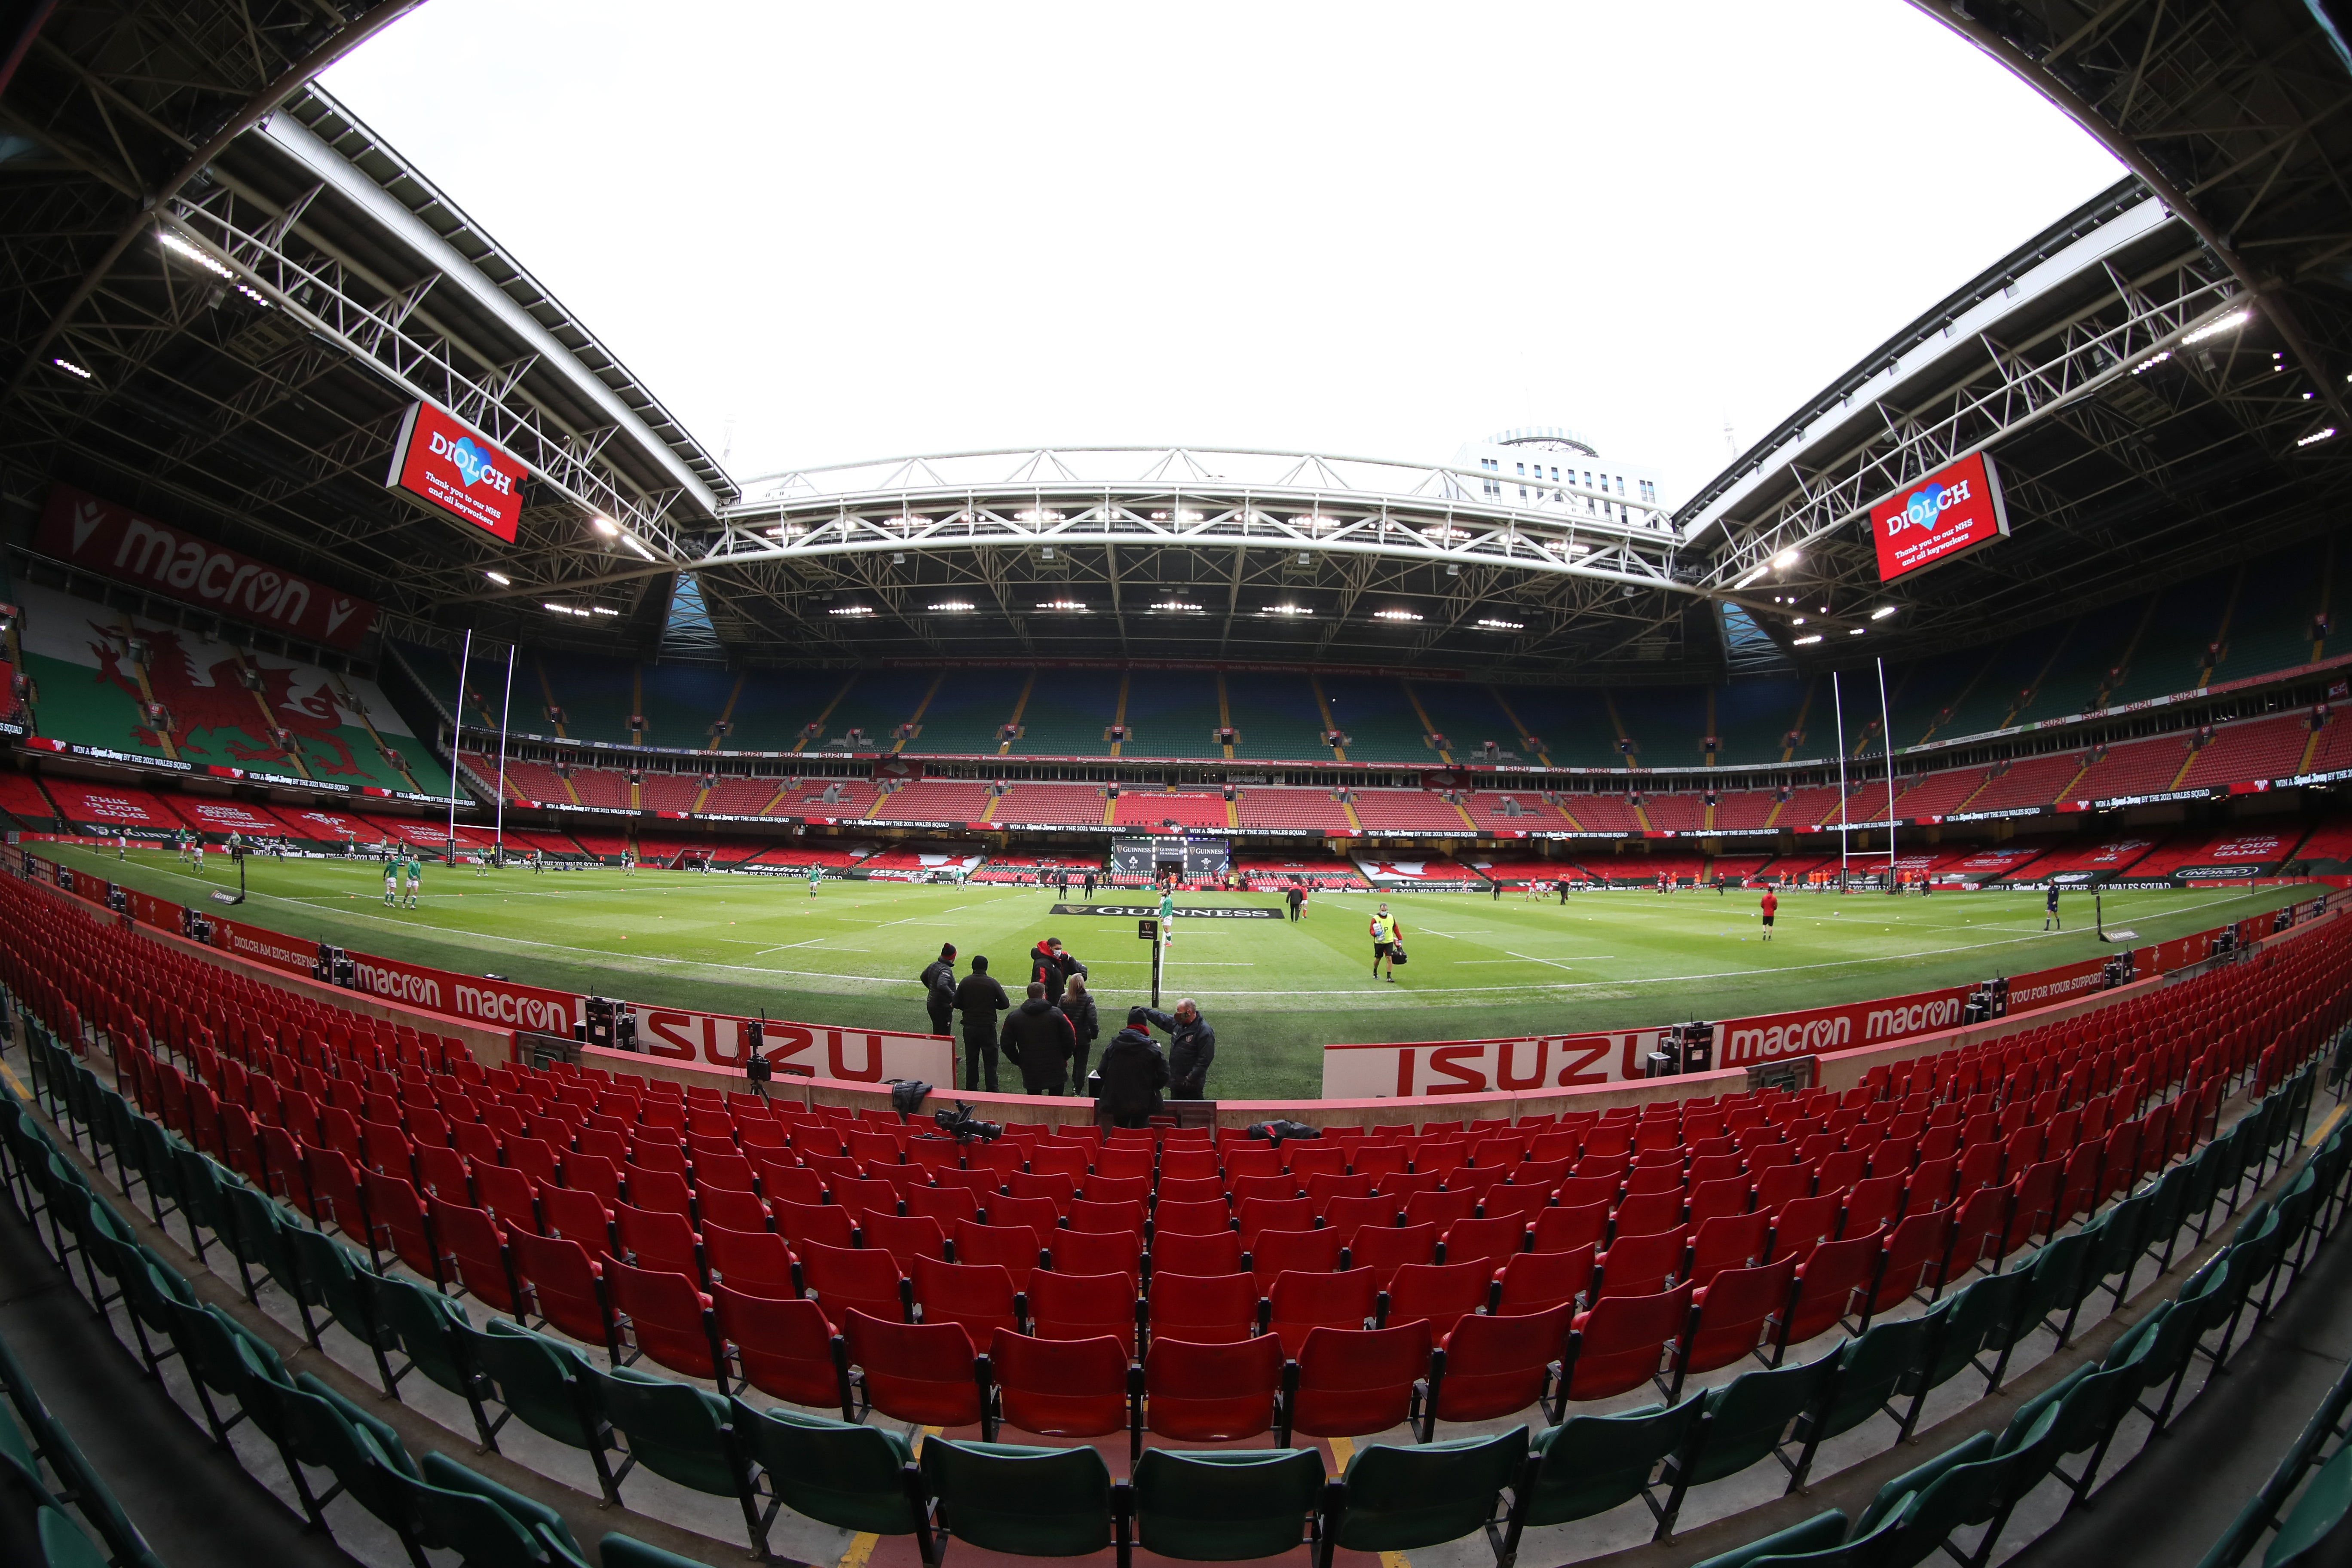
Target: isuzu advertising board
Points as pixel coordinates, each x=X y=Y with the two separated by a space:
x=449 y=468
x=1939 y=518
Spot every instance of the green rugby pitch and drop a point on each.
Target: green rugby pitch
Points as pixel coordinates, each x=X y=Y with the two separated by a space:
x=1276 y=992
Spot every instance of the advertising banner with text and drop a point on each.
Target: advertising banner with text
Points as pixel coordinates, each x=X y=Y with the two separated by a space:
x=706 y=1039
x=1401 y=1071
x=115 y=542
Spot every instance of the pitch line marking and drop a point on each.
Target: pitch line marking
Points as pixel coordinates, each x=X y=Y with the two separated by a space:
x=768 y=971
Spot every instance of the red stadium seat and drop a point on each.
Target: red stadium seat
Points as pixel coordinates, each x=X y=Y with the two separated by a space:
x=1203 y=1308
x=906 y=1238
x=1980 y=1227
x=1871 y=1203
x=1642 y=1265
x=1192 y=1189
x=801 y=1223
x=1102 y=1189
x=1803 y=1224
x=1646 y=1213
x=1622 y=1342
x=1300 y=1303
x=1084 y=1216
x=980 y=1296
x=1734 y=1242
x=1351 y=1383
x=1281 y=1251
x=1347 y=1214
x=1778 y=1185
x=1192 y=1218
x=657 y=1239
x=1827 y=1284
x=1568 y=1229
x=1015 y=1246
x=752 y=1262
x=565 y=1285
x=1913 y=1259
x=1534 y=1281
x=1280 y=1185
x=1441 y=1209
x=1083 y=1307
x=1041 y=1214
x=1224 y=1392
x=1252 y=1216
x=784 y=1348
x=401 y=1224
x=666 y=1317
x=476 y=1256
x=1735 y=1314
x=855 y=1280
x=1057 y=1187
x=1496 y=1238
x=925 y=1373
x=1066 y=1388
x=1443 y=1294
x=945 y=1205
x=1489 y=1368
x=1104 y=1252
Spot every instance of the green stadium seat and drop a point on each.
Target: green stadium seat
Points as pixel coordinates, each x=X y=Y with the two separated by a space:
x=1751 y=1416
x=854 y=1477
x=332 y=1276
x=1395 y=1499
x=677 y=1432
x=63 y=1544
x=424 y=1323
x=1225 y=1506
x=1590 y=1464
x=1021 y=1500
x=2319 y=1528
x=1872 y=1371
x=1823 y=1532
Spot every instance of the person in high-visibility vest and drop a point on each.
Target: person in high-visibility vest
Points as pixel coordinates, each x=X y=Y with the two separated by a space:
x=1385 y=933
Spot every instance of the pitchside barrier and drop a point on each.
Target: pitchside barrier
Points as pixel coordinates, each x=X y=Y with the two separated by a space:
x=1444 y=1068
x=502 y=1008
x=1362 y=1084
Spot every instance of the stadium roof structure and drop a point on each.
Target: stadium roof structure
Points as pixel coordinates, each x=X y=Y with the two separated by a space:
x=223 y=291
x=2160 y=375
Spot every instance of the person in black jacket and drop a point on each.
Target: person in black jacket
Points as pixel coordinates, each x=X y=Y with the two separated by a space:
x=1049 y=968
x=1133 y=1073
x=1192 y=1046
x=939 y=990
x=980 y=998
x=1039 y=1040
x=1079 y=1006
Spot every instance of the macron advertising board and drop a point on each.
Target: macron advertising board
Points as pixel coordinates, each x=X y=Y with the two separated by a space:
x=451 y=468
x=115 y=542
x=1939 y=519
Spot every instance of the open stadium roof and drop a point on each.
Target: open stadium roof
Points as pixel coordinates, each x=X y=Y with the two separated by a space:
x=247 y=288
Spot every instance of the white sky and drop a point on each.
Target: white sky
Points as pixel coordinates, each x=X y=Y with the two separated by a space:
x=1372 y=230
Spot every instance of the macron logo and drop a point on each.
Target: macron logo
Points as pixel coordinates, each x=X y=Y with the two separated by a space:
x=87 y=516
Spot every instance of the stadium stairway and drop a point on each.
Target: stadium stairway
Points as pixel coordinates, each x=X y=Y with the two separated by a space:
x=195 y=1505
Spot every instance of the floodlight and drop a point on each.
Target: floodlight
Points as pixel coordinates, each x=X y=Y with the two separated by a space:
x=1881 y=613
x=500 y=578
x=2214 y=328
